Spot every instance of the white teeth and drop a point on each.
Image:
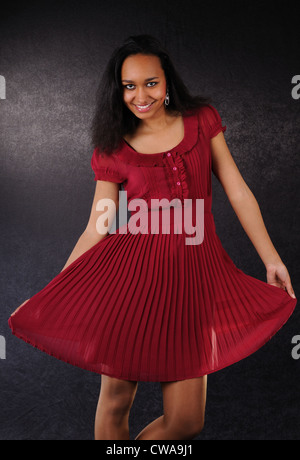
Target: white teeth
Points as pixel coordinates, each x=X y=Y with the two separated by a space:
x=143 y=106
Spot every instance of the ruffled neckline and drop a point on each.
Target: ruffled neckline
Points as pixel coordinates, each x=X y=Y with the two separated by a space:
x=129 y=155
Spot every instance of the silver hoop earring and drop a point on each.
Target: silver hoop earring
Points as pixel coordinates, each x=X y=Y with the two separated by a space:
x=167 y=99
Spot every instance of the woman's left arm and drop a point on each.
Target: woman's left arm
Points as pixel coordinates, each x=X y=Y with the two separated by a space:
x=248 y=212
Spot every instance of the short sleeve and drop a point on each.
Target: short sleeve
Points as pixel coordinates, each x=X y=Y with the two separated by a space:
x=106 y=167
x=213 y=121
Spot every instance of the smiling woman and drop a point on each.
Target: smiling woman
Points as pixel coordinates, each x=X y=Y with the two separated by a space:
x=142 y=93
x=149 y=97
x=149 y=306
x=140 y=73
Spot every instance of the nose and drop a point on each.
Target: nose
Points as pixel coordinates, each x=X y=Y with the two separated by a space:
x=141 y=96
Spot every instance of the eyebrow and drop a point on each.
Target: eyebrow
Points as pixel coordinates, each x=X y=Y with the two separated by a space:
x=147 y=79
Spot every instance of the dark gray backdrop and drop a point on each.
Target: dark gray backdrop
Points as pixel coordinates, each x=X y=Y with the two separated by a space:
x=52 y=55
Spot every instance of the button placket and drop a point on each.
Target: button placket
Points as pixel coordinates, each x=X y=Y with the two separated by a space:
x=175 y=174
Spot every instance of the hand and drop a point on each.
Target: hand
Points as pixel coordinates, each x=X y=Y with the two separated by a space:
x=278 y=275
x=19 y=307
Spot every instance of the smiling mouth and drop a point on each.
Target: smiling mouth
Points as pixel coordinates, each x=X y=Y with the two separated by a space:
x=144 y=106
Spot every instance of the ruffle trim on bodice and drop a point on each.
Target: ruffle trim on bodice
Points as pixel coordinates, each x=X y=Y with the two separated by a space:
x=181 y=191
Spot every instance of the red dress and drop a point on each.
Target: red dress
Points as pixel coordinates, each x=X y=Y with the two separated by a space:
x=148 y=306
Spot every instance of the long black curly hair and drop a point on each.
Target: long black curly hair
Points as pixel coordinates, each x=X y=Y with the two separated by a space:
x=112 y=118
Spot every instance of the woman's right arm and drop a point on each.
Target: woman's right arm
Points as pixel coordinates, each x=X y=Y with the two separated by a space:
x=91 y=236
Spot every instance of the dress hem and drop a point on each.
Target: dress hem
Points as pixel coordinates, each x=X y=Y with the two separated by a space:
x=149 y=379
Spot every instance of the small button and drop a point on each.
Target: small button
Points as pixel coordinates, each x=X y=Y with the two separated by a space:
x=168 y=154
x=174 y=168
x=178 y=183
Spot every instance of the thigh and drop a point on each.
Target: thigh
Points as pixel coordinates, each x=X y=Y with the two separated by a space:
x=185 y=400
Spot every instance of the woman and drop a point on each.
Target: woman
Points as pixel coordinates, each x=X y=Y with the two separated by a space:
x=146 y=306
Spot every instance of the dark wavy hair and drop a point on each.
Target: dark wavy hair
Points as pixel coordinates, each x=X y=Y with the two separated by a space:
x=112 y=118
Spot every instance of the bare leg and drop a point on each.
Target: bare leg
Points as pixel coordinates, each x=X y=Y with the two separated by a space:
x=115 y=401
x=184 y=411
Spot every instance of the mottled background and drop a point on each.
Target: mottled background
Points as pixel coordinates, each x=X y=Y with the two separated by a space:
x=241 y=53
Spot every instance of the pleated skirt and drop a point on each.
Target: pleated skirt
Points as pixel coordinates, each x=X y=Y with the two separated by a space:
x=149 y=307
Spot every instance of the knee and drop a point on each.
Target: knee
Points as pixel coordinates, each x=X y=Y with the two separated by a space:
x=186 y=426
x=117 y=407
x=192 y=428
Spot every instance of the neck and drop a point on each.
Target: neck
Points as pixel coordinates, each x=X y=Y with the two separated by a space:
x=157 y=122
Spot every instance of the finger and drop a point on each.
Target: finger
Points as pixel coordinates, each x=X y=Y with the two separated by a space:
x=290 y=290
x=15 y=311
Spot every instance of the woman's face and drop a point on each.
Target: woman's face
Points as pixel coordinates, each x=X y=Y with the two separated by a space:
x=144 y=85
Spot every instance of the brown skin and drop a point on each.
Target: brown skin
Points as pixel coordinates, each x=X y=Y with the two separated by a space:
x=184 y=401
x=248 y=212
x=158 y=130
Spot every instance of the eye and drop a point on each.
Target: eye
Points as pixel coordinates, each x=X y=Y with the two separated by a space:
x=149 y=83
